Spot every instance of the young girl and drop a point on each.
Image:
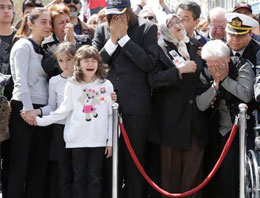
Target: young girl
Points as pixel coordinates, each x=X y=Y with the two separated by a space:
x=29 y=144
x=88 y=129
x=64 y=53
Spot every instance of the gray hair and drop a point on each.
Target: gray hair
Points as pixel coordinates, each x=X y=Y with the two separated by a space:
x=215 y=49
x=217 y=12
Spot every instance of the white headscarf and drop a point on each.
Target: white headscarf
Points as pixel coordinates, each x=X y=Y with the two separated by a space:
x=181 y=45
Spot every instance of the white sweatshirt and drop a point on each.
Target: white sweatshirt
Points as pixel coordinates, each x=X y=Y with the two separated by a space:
x=88 y=109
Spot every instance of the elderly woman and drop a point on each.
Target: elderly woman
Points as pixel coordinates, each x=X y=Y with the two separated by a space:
x=226 y=83
x=176 y=125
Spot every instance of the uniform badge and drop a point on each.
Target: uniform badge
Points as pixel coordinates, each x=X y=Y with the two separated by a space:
x=236 y=22
x=177 y=59
x=173 y=53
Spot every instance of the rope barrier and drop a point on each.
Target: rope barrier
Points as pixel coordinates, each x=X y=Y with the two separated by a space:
x=187 y=193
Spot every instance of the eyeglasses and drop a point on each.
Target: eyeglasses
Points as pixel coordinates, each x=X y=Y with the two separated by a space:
x=149 y=17
x=173 y=24
x=74 y=1
x=217 y=27
x=32 y=2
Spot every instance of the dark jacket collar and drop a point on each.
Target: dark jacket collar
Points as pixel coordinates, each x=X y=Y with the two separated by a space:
x=36 y=47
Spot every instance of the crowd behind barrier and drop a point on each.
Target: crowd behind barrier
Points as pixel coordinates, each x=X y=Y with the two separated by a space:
x=178 y=84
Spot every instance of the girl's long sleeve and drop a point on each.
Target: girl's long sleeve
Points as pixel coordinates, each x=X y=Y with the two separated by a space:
x=62 y=112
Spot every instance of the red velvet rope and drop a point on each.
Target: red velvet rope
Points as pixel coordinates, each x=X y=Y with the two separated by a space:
x=192 y=191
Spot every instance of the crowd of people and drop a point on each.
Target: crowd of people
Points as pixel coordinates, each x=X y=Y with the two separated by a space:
x=178 y=84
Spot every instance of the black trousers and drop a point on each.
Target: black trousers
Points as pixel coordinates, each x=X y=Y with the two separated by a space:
x=107 y=178
x=5 y=157
x=225 y=184
x=64 y=162
x=132 y=181
x=28 y=157
x=87 y=168
x=153 y=168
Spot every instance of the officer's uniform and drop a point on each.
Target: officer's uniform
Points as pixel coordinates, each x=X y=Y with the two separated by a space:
x=227 y=106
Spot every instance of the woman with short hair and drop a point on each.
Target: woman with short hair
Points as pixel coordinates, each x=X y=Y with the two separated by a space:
x=62 y=30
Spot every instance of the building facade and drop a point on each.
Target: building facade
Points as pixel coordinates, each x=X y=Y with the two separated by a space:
x=206 y=5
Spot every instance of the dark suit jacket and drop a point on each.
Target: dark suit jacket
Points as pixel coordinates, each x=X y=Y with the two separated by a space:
x=252 y=53
x=175 y=115
x=256 y=37
x=254 y=56
x=202 y=39
x=129 y=65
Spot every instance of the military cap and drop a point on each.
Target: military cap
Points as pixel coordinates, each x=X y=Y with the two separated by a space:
x=239 y=24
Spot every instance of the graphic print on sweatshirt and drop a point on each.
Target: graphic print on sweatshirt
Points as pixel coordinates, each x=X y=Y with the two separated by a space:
x=91 y=99
x=4 y=56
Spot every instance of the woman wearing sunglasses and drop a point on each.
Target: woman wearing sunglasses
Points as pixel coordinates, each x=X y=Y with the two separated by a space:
x=149 y=15
x=175 y=124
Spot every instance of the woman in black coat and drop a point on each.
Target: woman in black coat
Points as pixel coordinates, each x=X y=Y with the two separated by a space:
x=176 y=121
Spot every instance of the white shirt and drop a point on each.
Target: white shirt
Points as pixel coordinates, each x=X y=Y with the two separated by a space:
x=56 y=95
x=88 y=109
x=111 y=47
x=240 y=52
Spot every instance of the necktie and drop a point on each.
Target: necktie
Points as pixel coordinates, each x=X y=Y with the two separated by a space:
x=237 y=55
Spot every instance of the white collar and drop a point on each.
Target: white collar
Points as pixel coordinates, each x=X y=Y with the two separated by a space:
x=240 y=52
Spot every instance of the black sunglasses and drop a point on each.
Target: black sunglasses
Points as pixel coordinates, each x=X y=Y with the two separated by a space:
x=149 y=17
x=74 y=1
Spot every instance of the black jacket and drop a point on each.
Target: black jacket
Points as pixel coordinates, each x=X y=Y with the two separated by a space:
x=130 y=64
x=49 y=62
x=252 y=53
x=175 y=115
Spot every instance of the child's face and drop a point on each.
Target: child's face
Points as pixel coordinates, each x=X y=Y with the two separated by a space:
x=89 y=67
x=65 y=61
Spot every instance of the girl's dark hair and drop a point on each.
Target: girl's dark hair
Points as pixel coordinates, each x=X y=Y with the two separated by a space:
x=87 y=51
x=66 y=47
x=24 y=30
x=130 y=15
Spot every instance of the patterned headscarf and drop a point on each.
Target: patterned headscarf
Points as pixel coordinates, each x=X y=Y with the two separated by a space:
x=180 y=44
